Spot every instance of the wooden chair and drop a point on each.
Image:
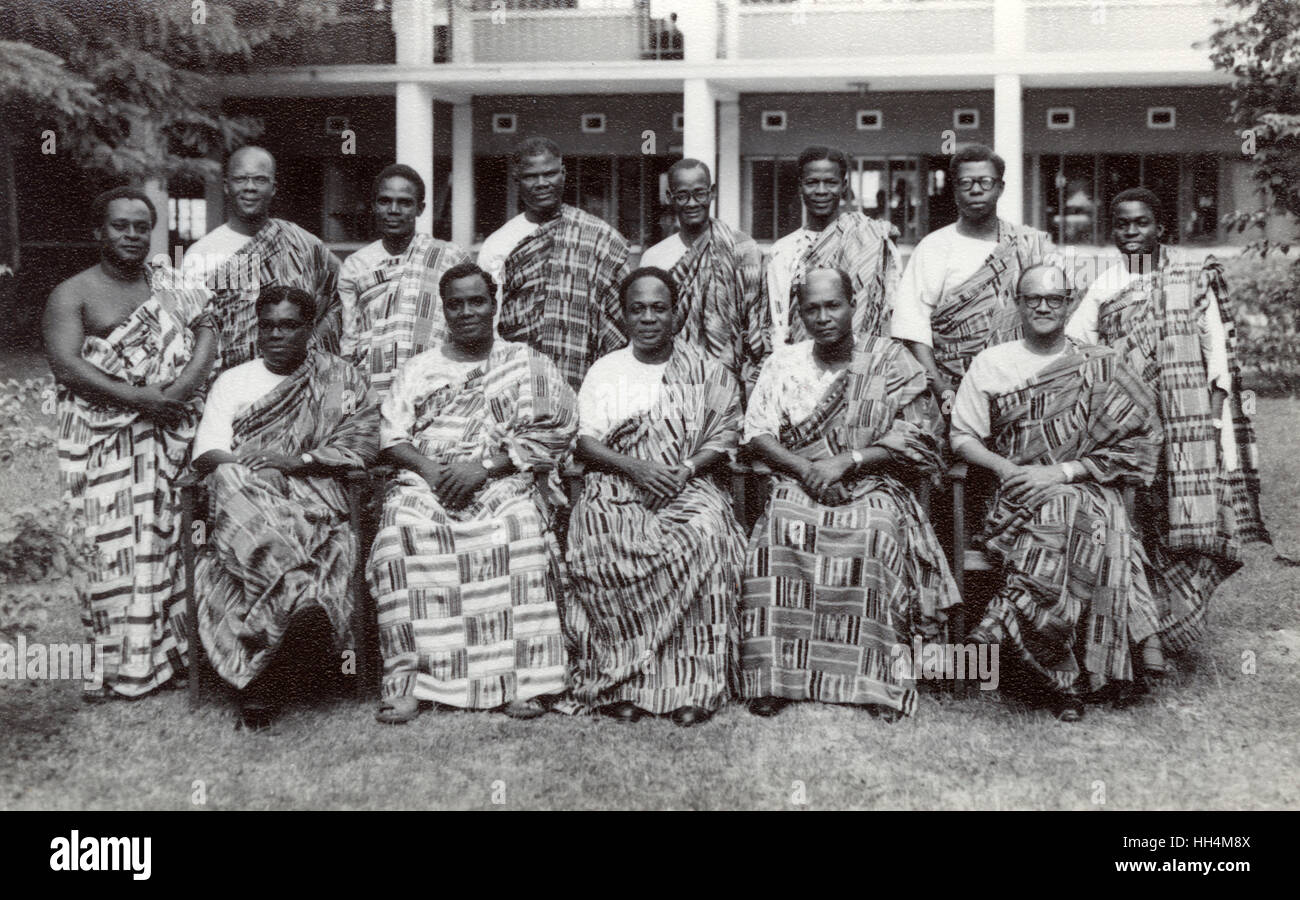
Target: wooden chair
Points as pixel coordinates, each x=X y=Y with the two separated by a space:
x=194 y=503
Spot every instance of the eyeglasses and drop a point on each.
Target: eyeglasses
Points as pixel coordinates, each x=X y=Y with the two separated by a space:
x=684 y=197
x=1053 y=301
x=986 y=183
x=242 y=180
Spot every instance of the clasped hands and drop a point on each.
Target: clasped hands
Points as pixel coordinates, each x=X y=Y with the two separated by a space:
x=454 y=484
x=825 y=478
x=660 y=482
x=1029 y=486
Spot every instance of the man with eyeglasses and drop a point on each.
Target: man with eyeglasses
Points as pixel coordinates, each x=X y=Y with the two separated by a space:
x=252 y=249
x=957 y=294
x=833 y=236
x=559 y=268
x=718 y=274
x=1062 y=427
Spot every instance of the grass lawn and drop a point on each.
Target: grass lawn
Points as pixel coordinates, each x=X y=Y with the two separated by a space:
x=1212 y=738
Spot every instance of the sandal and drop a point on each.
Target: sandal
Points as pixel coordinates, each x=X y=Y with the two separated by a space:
x=524 y=709
x=397 y=710
x=1153 y=658
x=623 y=711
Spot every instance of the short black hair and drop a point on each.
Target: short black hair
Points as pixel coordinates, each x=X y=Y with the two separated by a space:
x=686 y=165
x=819 y=152
x=466 y=270
x=399 y=170
x=969 y=153
x=284 y=293
x=1136 y=195
x=99 y=207
x=647 y=272
x=846 y=282
x=535 y=145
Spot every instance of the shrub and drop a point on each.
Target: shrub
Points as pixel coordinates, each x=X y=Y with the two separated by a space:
x=1265 y=293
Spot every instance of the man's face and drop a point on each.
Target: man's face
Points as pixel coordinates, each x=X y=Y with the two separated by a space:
x=1134 y=229
x=396 y=207
x=282 y=336
x=826 y=312
x=124 y=234
x=541 y=183
x=978 y=198
x=468 y=308
x=648 y=314
x=822 y=186
x=1044 y=302
x=250 y=184
x=691 y=195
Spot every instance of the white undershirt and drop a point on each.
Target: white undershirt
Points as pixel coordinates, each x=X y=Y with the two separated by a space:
x=664 y=255
x=941 y=261
x=618 y=386
x=500 y=243
x=234 y=391
x=211 y=251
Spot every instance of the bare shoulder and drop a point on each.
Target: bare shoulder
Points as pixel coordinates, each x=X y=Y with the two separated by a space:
x=72 y=293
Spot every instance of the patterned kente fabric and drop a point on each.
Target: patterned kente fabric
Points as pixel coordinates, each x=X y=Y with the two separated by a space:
x=560 y=292
x=279 y=544
x=280 y=253
x=1198 y=512
x=831 y=590
x=1076 y=598
x=861 y=246
x=720 y=302
x=118 y=470
x=652 y=610
x=981 y=311
x=398 y=310
x=468 y=598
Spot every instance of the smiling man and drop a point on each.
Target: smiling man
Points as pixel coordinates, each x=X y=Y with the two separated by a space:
x=718 y=272
x=559 y=268
x=832 y=236
x=252 y=249
x=1062 y=426
x=465 y=567
x=388 y=290
x=130 y=352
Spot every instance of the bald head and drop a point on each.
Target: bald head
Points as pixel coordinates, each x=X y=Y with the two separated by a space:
x=1042 y=277
x=250 y=187
x=1043 y=296
x=259 y=157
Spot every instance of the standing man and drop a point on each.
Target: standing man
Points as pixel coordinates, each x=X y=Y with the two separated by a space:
x=388 y=290
x=559 y=269
x=958 y=293
x=718 y=274
x=252 y=249
x=130 y=351
x=834 y=237
x=1166 y=315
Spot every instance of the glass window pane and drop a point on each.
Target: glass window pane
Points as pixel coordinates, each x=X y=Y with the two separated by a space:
x=1203 y=219
x=789 y=206
x=763 y=199
x=1118 y=173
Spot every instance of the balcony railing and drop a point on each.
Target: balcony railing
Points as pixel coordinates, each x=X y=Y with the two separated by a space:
x=570 y=31
x=812 y=30
x=1133 y=26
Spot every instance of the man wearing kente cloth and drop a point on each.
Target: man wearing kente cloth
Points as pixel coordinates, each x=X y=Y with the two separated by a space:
x=834 y=237
x=272 y=579
x=388 y=290
x=843 y=565
x=252 y=249
x=718 y=273
x=1063 y=427
x=131 y=350
x=559 y=268
x=1169 y=317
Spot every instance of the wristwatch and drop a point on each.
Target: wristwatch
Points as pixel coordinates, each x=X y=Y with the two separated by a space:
x=488 y=466
x=690 y=464
x=307 y=459
x=858 y=459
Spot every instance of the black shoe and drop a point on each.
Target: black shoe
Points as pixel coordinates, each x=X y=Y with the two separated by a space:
x=886 y=714
x=767 y=706
x=254 y=715
x=623 y=711
x=1067 y=708
x=687 y=716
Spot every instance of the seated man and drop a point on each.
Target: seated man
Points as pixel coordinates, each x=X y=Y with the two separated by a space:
x=654 y=550
x=1062 y=426
x=843 y=565
x=275 y=568
x=465 y=567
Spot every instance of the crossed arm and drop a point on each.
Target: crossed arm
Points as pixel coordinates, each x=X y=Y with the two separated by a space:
x=454 y=484
x=660 y=482
x=826 y=479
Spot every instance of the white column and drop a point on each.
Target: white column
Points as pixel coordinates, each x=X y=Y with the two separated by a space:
x=698 y=21
x=728 y=175
x=1008 y=142
x=700 y=138
x=462 y=174
x=415 y=140
x=156 y=188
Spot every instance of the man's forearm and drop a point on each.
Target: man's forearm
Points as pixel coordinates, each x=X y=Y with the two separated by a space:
x=86 y=381
x=769 y=449
x=595 y=454
x=405 y=456
x=978 y=455
x=196 y=370
x=210 y=460
x=924 y=354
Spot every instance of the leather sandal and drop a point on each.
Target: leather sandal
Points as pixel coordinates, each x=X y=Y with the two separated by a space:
x=687 y=716
x=397 y=710
x=623 y=711
x=767 y=706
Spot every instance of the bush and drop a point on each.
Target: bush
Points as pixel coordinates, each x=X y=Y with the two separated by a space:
x=1265 y=293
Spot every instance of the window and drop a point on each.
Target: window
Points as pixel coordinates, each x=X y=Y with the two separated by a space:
x=774 y=204
x=186 y=219
x=772 y=120
x=504 y=123
x=1060 y=118
x=870 y=120
x=1161 y=117
x=593 y=123
x=965 y=119
x=679 y=121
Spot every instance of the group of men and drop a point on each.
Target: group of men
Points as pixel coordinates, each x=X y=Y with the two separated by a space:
x=271 y=370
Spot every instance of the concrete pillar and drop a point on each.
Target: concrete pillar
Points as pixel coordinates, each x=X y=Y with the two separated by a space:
x=462 y=174
x=700 y=137
x=415 y=139
x=1008 y=142
x=728 y=172
x=156 y=188
x=699 y=24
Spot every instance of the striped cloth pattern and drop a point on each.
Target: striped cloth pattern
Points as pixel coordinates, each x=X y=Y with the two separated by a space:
x=400 y=309
x=830 y=590
x=280 y=253
x=468 y=599
x=981 y=311
x=652 y=610
x=861 y=246
x=720 y=301
x=116 y=472
x=279 y=544
x=560 y=292
x=1076 y=597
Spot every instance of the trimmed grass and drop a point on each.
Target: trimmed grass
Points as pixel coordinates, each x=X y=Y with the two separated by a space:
x=1212 y=738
